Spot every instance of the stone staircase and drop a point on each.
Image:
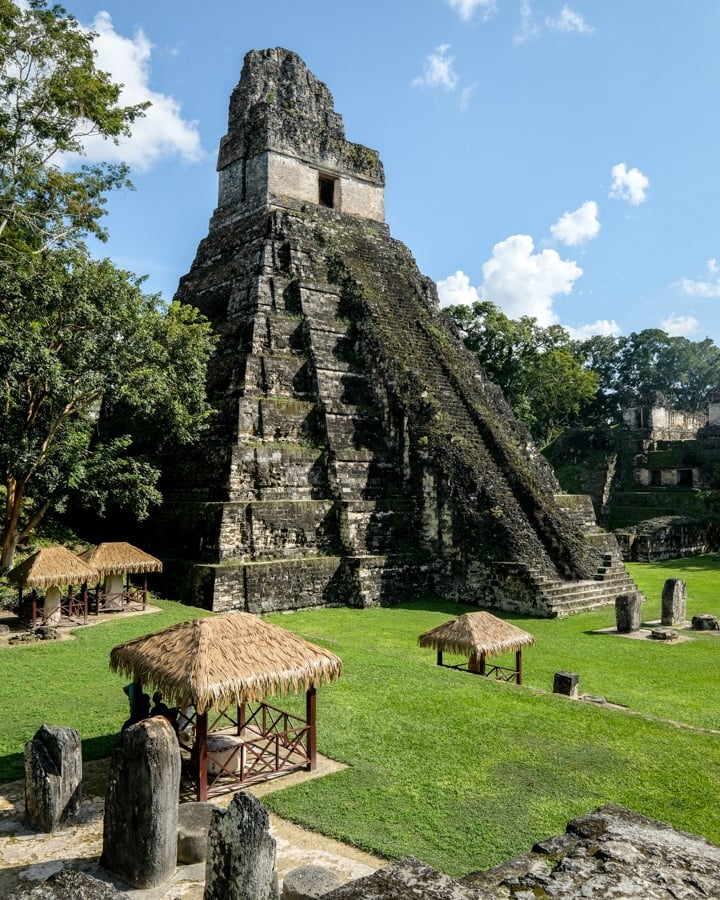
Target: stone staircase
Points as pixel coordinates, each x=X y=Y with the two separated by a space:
x=611 y=579
x=564 y=598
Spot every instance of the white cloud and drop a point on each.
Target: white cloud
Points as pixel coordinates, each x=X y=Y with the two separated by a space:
x=162 y=132
x=438 y=70
x=605 y=327
x=679 y=326
x=569 y=21
x=699 y=288
x=465 y=96
x=457 y=289
x=524 y=283
x=466 y=8
x=628 y=184
x=527 y=28
x=577 y=227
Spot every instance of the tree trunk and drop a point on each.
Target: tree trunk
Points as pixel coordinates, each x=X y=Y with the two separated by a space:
x=11 y=530
x=9 y=545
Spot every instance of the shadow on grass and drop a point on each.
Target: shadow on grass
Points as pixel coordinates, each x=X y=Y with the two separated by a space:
x=433 y=603
x=707 y=562
x=12 y=766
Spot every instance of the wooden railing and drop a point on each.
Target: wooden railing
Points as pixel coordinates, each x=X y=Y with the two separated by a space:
x=499 y=673
x=129 y=598
x=262 y=742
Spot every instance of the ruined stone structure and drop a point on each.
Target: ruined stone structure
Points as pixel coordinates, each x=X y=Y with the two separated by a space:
x=664 y=458
x=358 y=454
x=647 y=478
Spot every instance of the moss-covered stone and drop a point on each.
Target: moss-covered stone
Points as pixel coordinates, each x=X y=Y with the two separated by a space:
x=331 y=337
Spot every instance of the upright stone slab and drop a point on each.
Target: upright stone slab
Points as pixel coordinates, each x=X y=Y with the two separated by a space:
x=53 y=777
x=627 y=613
x=241 y=861
x=141 y=804
x=674 y=601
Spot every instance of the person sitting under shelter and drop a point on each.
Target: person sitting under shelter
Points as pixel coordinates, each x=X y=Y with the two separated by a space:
x=162 y=709
x=140 y=710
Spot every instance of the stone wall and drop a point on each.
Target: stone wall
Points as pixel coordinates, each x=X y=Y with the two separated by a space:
x=365 y=453
x=665 y=537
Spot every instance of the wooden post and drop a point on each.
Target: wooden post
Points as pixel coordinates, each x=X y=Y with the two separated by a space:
x=200 y=753
x=240 y=717
x=482 y=664
x=439 y=657
x=144 y=589
x=518 y=666
x=310 y=716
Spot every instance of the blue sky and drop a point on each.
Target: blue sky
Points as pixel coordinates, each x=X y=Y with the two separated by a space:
x=560 y=159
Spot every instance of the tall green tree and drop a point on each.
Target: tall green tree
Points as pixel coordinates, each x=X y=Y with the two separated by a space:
x=52 y=98
x=96 y=376
x=97 y=379
x=538 y=368
x=633 y=367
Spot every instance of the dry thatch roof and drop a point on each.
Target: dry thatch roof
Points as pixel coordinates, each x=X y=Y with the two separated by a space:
x=225 y=659
x=118 y=557
x=51 y=566
x=477 y=632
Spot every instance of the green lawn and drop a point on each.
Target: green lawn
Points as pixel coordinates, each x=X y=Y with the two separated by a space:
x=460 y=771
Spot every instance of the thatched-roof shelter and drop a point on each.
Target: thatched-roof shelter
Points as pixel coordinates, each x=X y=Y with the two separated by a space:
x=480 y=634
x=215 y=662
x=229 y=658
x=51 y=566
x=119 y=557
x=49 y=569
x=113 y=560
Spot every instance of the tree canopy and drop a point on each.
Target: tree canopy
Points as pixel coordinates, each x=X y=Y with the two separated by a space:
x=552 y=381
x=537 y=368
x=97 y=377
x=52 y=98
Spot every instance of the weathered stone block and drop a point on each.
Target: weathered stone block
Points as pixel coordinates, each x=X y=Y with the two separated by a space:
x=53 y=777
x=241 y=860
x=705 y=622
x=193 y=828
x=140 y=830
x=406 y=879
x=68 y=884
x=566 y=683
x=308 y=883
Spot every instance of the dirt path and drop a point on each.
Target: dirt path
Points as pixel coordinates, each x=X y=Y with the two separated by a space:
x=27 y=857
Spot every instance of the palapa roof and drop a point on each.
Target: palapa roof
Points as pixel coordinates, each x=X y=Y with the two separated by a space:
x=118 y=557
x=477 y=632
x=51 y=566
x=224 y=659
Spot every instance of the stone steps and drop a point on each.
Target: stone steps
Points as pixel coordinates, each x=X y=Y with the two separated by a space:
x=565 y=598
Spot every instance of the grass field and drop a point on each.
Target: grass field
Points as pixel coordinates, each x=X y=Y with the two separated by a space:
x=460 y=771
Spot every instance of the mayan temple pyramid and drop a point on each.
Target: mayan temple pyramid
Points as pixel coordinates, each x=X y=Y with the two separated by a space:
x=358 y=455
